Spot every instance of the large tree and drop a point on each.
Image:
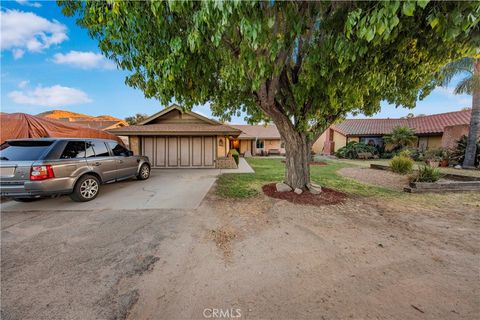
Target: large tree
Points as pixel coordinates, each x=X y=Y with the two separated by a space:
x=469 y=68
x=302 y=65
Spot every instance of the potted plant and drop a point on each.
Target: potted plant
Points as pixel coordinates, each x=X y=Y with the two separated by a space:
x=432 y=158
x=444 y=157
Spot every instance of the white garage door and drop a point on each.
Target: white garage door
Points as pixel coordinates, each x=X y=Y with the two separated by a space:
x=180 y=151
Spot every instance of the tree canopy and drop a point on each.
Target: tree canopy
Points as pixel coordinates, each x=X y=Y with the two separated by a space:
x=301 y=64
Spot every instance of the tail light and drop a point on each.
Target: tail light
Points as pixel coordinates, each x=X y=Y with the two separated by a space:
x=41 y=172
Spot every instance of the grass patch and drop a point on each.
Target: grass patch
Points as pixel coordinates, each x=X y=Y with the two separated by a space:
x=245 y=185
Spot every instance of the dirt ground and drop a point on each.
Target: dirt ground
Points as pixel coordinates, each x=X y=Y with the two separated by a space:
x=271 y=259
x=374 y=177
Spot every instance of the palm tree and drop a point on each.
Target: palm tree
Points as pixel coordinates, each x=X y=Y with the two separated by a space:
x=470 y=84
x=400 y=137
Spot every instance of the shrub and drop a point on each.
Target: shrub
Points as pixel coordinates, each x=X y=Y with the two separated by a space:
x=236 y=156
x=400 y=137
x=457 y=155
x=401 y=164
x=353 y=148
x=426 y=174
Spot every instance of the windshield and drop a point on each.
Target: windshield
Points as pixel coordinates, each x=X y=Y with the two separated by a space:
x=23 y=150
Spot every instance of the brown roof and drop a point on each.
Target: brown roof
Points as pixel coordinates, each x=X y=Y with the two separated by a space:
x=101 y=124
x=176 y=128
x=432 y=124
x=257 y=131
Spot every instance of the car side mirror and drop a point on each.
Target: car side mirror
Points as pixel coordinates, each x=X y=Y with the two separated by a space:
x=129 y=153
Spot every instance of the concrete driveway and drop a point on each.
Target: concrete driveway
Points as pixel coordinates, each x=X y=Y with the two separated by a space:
x=165 y=189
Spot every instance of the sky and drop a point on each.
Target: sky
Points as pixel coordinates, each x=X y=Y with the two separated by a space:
x=48 y=62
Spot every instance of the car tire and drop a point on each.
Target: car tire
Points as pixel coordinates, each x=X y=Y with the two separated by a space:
x=86 y=188
x=25 y=199
x=144 y=172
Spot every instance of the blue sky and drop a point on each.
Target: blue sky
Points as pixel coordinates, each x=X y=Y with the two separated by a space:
x=63 y=69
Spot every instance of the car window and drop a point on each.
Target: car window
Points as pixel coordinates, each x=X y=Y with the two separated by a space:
x=118 y=149
x=23 y=150
x=89 y=153
x=73 y=150
x=100 y=149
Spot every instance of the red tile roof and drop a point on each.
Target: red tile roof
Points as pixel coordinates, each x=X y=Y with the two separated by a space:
x=432 y=124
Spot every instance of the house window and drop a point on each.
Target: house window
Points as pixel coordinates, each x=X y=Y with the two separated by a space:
x=260 y=144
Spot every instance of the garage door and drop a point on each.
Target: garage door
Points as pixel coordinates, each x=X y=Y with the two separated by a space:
x=180 y=151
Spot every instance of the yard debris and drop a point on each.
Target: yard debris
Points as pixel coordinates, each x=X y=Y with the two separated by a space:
x=298 y=191
x=283 y=187
x=223 y=239
x=417 y=308
x=326 y=197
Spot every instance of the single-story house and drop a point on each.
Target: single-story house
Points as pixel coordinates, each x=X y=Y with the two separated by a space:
x=258 y=140
x=432 y=131
x=174 y=138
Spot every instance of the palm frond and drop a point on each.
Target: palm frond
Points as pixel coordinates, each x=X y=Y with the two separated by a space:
x=454 y=68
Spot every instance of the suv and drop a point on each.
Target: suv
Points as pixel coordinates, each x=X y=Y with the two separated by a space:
x=32 y=168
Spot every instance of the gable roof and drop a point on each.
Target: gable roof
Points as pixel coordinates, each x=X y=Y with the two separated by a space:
x=204 y=127
x=257 y=131
x=431 y=124
x=180 y=109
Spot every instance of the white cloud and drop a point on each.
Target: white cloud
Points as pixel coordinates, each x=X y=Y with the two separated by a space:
x=26 y=31
x=29 y=4
x=23 y=84
x=84 y=60
x=54 y=96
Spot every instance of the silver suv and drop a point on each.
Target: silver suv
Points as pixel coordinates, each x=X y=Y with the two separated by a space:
x=32 y=168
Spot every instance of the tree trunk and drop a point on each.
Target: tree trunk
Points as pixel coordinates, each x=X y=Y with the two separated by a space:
x=471 y=148
x=297 y=158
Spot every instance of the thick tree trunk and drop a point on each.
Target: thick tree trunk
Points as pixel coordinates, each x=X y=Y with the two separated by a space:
x=471 y=148
x=297 y=173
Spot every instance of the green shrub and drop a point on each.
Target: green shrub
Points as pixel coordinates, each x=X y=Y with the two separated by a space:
x=353 y=148
x=426 y=174
x=236 y=156
x=401 y=164
x=405 y=153
x=458 y=154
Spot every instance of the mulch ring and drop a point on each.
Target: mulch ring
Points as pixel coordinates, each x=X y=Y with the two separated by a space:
x=327 y=197
x=314 y=163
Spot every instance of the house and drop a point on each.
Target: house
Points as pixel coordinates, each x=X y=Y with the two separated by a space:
x=175 y=138
x=258 y=139
x=432 y=131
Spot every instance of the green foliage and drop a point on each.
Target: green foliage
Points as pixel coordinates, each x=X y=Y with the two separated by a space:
x=236 y=156
x=462 y=67
x=136 y=119
x=353 y=148
x=426 y=174
x=400 y=137
x=457 y=155
x=401 y=164
x=227 y=52
x=437 y=154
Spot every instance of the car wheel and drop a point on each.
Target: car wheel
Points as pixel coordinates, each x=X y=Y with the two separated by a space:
x=86 y=189
x=25 y=199
x=144 y=172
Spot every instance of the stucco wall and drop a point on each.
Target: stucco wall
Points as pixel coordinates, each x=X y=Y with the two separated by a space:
x=434 y=142
x=320 y=143
x=454 y=133
x=223 y=146
x=134 y=144
x=271 y=144
x=246 y=145
x=339 y=139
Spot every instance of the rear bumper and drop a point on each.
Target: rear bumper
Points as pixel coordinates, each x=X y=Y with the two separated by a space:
x=36 y=188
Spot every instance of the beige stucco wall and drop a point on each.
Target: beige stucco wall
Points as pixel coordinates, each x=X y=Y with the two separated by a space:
x=339 y=139
x=134 y=144
x=356 y=139
x=222 y=147
x=317 y=146
x=272 y=144
x=245 y=145
x=434 y=142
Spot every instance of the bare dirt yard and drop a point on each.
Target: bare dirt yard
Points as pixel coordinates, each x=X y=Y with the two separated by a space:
x=374 y=177
x=367 y=258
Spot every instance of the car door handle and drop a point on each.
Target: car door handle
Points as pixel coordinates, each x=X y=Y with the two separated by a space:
x=98 y=164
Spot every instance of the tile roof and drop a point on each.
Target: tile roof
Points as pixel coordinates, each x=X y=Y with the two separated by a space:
x=432 y=124
x=257 y=131
x=176 y=128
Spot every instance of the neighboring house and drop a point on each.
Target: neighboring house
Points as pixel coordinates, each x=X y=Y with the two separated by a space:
x=174 y=138
x=104 y=122
x=258 y=139
x=433 y=131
